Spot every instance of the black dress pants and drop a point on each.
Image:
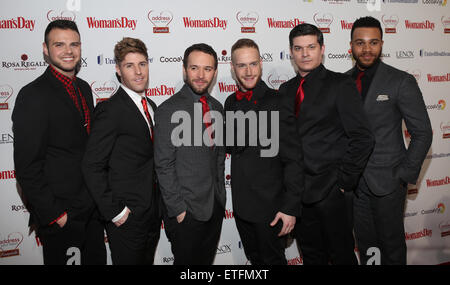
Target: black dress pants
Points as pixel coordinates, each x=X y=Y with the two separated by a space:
x=325 y=233
x=262 y=245
x=135 y=241
x=379 y=223
x=194 y=242
x=79 y=242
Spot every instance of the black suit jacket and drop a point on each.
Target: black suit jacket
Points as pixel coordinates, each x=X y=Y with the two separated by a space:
x=49 y=143
x=334 y=130
x=118 y=164
x=263 y=186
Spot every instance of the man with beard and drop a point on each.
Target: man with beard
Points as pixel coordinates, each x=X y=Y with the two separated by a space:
x=51 y=124
x=336 y=142
x=266 y=190
x=389 y=96
x=190 y=165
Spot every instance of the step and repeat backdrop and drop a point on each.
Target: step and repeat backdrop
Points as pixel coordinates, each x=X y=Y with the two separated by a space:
x=416 y=39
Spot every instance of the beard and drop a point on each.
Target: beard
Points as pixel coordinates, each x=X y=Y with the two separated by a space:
x=242 y=86
x=364 y=64
x=57 y=64
x=198 y=91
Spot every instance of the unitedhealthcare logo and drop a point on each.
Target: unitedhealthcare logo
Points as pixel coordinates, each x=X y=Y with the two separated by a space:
x=285 y=55
x=105 y=60
x=423 y=53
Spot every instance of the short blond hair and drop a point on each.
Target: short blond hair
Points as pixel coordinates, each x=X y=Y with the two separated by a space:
x=242 y=43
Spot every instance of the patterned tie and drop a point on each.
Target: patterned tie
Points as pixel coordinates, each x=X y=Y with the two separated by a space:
x=299 y=97
x=205 y=112
x=240 y=95
x=358 y=81
x=147 y=114
x=84 y=110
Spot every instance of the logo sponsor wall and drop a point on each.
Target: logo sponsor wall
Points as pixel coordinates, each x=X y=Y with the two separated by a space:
x=414 y=41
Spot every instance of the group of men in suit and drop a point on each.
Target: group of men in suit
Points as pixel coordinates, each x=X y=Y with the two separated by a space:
x=341 y=163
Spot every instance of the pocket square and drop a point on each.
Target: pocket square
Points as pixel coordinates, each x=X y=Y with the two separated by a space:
x=383 y=97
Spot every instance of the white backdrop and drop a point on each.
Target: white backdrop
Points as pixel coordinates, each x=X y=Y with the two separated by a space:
x=417 y=40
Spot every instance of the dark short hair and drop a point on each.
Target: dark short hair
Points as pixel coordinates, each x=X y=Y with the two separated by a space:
x=200 y=47
x=305 y=29
x=366 y=22
x=128 y=45
x=60 y=24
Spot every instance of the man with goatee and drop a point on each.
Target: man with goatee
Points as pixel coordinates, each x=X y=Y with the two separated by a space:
x=389 y=96
x=51 y=124
x=191 y=173
x=266 y=190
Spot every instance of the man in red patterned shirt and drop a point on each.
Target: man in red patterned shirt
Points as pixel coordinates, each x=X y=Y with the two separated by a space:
x=51 y=124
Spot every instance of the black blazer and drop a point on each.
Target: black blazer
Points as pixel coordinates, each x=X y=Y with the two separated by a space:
x=334 y=130
x=49 y=143
x=118 y=164
x=263 y=186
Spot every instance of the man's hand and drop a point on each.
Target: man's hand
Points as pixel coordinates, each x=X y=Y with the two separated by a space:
x=123 y=219
x=62 y=221
x=180 y=217
x=288 y=223
x=342 y=190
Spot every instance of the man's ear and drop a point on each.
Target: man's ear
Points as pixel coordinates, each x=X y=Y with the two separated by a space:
x=118 y=70
x=45 y=48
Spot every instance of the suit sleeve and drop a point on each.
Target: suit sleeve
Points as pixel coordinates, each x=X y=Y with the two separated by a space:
x=221 y=156
x=165 y=158
x=95 y=162
x=31 y=130
x=228 y=148
x=291 y=154
x=361 y=141
x=414 y=113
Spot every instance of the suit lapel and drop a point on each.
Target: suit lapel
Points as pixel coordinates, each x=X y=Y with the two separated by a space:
x=62 y=95
x=131 y=106
x=315 y=86
x=87 y=94
x=378 y=80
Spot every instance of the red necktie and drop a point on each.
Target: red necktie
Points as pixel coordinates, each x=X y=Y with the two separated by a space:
x=299 y=97
x=240 y=95
x=358 y=81
x=205 y=111
x=147 y=114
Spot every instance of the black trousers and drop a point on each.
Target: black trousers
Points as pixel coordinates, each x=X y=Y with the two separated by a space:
x=379 y=222
x=262 y=245
x=78 y=242
x=324 y=233
x=135 y=241
x=194 y=242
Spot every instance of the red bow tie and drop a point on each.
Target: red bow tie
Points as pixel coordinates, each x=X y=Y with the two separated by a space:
x=240 y=95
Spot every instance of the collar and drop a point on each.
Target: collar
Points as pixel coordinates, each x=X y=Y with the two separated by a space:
x=369 y=72
x=259 y=89
x=312 y=74
x=136 y=97
x=67 y=81
x=195 y=96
